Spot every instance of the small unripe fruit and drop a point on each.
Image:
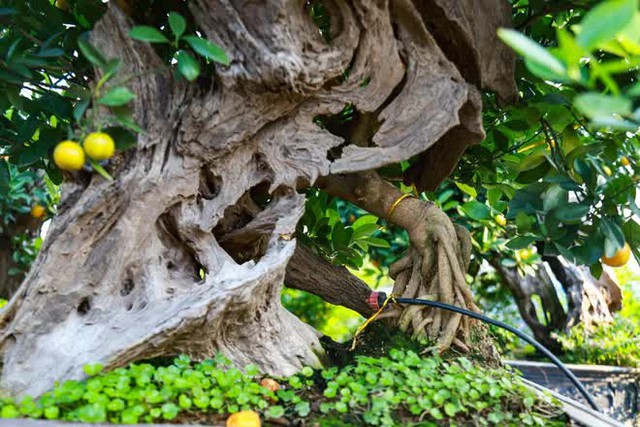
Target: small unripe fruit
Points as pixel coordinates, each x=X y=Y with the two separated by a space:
x=69 y=156
x=500 y=220
x=607 y=170
x=99 y=146
x=62 y=4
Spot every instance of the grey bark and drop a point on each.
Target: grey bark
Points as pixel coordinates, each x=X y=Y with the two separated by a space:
x=589 y=300
x=117 y=279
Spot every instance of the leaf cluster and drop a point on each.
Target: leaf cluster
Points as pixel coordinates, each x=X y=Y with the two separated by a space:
x=387 y=391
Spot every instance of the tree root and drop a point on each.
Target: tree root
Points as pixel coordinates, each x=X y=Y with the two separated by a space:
x=434 y=268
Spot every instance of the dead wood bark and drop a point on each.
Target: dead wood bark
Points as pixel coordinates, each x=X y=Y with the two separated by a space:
x=118 y=278
x=589 y=300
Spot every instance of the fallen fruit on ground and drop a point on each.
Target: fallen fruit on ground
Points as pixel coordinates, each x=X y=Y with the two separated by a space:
x=99 y=146
x=38 y=211
x=270 y=384
x=500 y=220
x=620 y=258
x=244 y=419
x=69 y=156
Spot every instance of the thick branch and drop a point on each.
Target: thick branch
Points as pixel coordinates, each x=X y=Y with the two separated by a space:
x=309 y=272
x=369 y=191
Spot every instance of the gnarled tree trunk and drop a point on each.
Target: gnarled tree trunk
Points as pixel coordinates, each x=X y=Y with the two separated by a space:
x=174 y=255
x=588 y=300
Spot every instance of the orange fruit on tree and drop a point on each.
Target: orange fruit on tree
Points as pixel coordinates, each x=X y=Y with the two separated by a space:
x=38 y=211
x=99 y=146
x=69 y=156
x=270 y=384
x=624 y=161
x=244 y=419
x=620 y=258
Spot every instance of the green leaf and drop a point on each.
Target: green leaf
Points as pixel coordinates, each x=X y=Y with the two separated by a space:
x=170 y=411
x=596 y=270
x=523 y=222
x=93 y=370
x=631 y=230
x=96 y=166
x=92 y=53
x=476 y=210
x=364 y=230
x=207 y=49
x=117 y=96
x=80 y=108
x=554 y=197
x=5 y=177
x=531 y=162
x=376 y=242
x=147 y=34
x=521 y=242
x=467 y=189
x=592 y=249
x=598 y=105
x=604 y=21
x=613 y=236
x=531 y=50
x=187 y=65
x=177 y=24
x=571 y=213
x=364 y=219
x=276 y=411
x=123 y=138
x=303 y=408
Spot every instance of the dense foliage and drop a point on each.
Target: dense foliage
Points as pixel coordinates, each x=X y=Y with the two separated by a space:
x=615 y=344
x=389 y=391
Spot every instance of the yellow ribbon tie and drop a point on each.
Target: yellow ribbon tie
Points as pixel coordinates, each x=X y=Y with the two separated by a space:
x=396 y=203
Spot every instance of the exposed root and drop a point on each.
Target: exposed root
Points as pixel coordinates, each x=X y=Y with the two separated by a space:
x=434 y=268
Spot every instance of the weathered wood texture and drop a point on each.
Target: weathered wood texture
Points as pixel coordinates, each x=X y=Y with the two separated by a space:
x=118 y=277
x=589 y=300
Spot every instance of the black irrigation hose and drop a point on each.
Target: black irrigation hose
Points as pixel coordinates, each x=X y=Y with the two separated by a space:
x=509 y=328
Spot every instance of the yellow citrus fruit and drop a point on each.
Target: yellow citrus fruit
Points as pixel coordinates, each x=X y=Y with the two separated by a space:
x=244 y=419
x=68 y=155
x=607 y=170
x=620 y=258
x=37 y=211
x=99 y=146
x=500 y=220
x=624 y=161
